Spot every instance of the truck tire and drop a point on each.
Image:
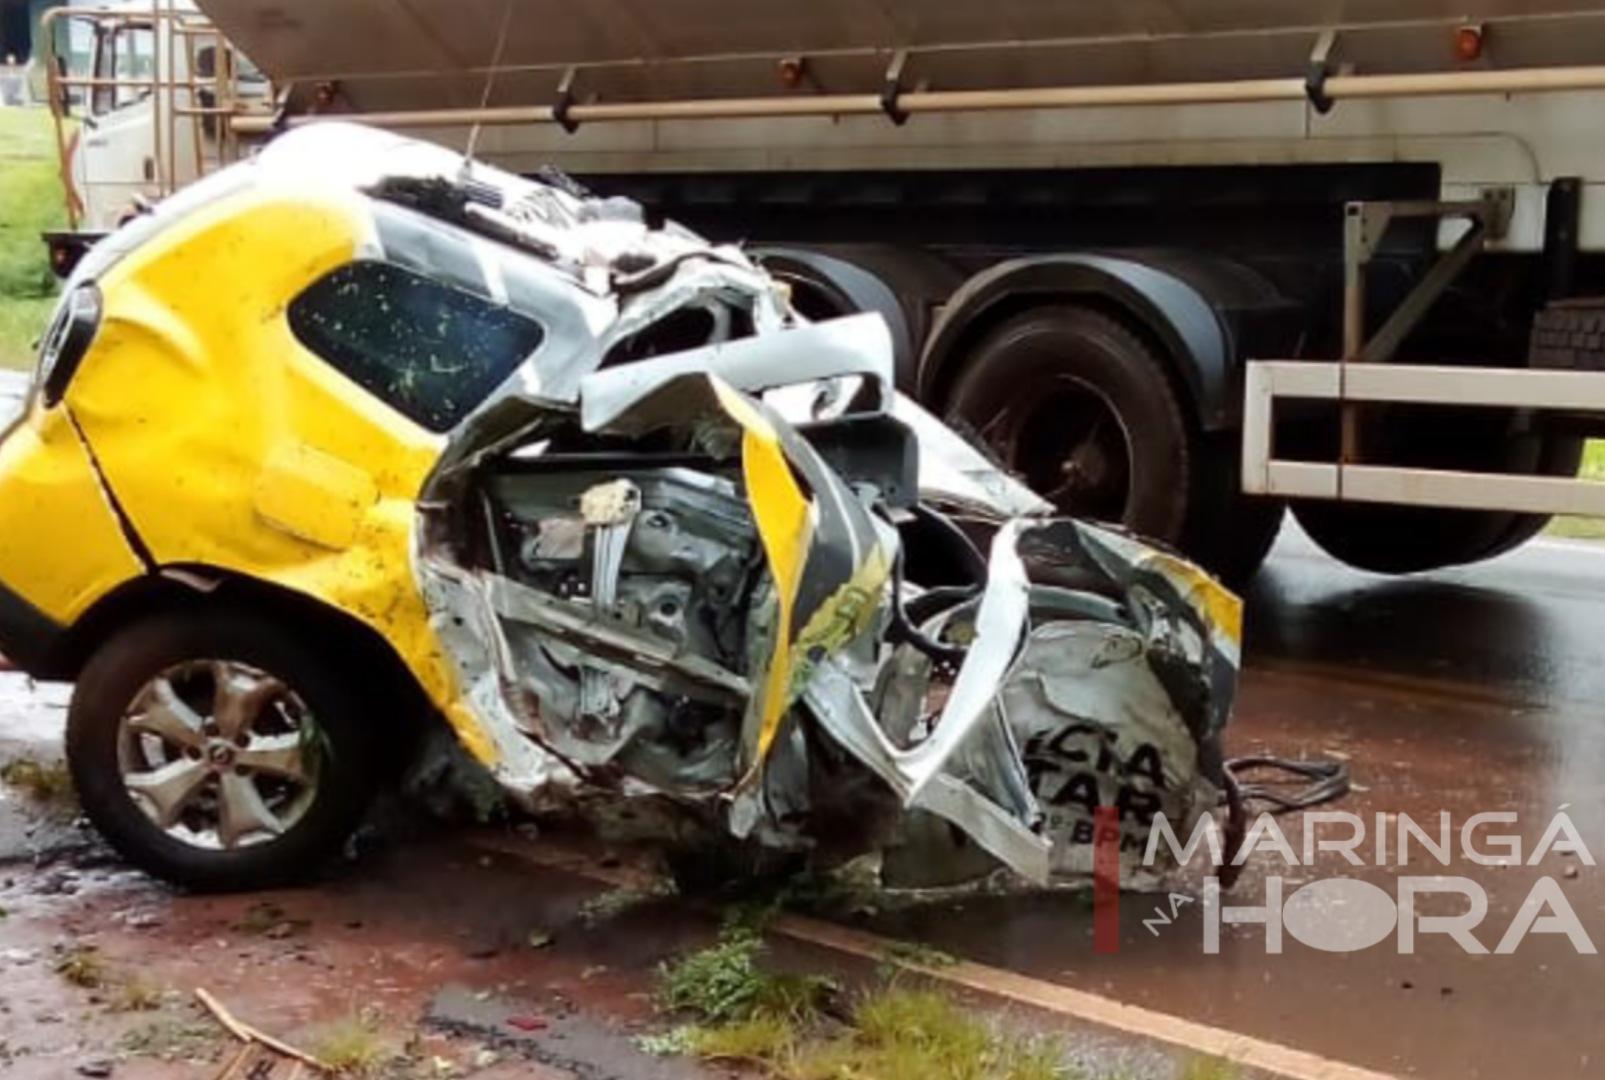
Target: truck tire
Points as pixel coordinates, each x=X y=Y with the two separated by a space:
x=1570 y=335
x=1231 y=533
x=1080 y=408
x=217 y=752
x=1083 y=409
x=903 y=284
x=1408 y=539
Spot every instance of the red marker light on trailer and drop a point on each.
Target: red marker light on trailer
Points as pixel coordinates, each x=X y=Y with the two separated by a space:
x=1468 y=42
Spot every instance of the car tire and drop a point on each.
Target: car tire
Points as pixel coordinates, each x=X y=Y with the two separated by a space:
x=281 y=803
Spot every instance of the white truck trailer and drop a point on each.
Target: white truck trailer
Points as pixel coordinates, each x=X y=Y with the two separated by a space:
x=1181 y=263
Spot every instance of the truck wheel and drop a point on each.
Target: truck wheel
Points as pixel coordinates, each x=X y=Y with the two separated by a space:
x=217 y=752
x=1562 y=455
x=1569 y=335
x=1081 y=408
x=901 y=283
x=1231 y=533
x=1409 y=539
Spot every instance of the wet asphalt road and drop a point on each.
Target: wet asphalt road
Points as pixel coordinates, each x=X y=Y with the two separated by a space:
x=1527 y=628
x=1461 y=691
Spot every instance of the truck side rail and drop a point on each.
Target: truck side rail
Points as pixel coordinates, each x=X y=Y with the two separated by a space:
x=1269 y=381
x=570 y=114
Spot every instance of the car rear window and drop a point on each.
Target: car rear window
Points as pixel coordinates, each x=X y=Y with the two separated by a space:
x=430 y=351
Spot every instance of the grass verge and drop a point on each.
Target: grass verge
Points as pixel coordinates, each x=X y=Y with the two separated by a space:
x=1584 y=528
x=798 y=1027
x=31 y=201
x=354 y=1045
x=84 y=967
x=46 y=782
x=22 y=323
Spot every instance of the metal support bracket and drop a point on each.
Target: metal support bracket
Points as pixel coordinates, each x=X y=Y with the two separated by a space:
x=1319 y=69
x=892 y=89
x=565 y=102
x=1364 y=226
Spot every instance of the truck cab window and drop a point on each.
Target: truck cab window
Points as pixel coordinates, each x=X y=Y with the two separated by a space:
x=430 y=351
x=122 y=52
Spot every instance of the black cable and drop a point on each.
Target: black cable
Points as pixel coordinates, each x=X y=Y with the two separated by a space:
x=974 y=560
x=1328 y=780
x=903 y=631
x=1236 y=829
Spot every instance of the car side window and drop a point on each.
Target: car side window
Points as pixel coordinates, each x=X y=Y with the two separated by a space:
x=431 y=351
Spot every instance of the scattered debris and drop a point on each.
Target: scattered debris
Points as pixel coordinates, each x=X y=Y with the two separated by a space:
x=259 y=1048
x=269 y=920
x=97 y=1067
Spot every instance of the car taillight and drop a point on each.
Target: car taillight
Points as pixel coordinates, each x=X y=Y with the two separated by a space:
x=67 y=341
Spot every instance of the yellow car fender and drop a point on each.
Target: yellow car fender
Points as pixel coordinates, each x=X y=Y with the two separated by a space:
x=228 y=444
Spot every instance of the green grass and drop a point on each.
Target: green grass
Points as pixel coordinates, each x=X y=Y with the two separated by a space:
x=22 y=320
x=1584 y=528
x=790 y=1027
x=725 y=983
x=83 y=966
x=31 y=202
x=1210 y=1068
x=354 y=1045
x=893 y=1033
x=41 y=781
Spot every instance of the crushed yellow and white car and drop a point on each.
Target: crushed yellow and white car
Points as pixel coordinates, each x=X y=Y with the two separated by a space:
x=358 y=438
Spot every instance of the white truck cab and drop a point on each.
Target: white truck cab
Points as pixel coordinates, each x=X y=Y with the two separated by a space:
x=142 y=91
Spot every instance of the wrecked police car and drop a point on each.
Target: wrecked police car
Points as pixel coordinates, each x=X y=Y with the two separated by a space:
x=357 y=438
